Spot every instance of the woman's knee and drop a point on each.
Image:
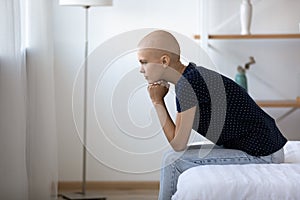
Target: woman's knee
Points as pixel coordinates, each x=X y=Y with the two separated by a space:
x=170 y=157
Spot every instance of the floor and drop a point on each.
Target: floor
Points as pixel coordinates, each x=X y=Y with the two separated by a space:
x=126 y=194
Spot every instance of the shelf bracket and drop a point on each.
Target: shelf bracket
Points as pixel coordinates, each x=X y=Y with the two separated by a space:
x=286 y=114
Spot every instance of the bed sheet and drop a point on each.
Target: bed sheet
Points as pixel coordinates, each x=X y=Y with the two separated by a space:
x=251 y=182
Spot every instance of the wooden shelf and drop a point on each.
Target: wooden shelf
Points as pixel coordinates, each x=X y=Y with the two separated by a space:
x=280 y=103
x=254 y=36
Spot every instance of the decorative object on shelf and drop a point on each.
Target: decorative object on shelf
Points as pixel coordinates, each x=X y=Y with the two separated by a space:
x=240 y=77
x=245 y=16
x=86 y=4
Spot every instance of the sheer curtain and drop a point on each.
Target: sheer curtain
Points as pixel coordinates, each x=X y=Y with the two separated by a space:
x=13 y=180
x=28 y=146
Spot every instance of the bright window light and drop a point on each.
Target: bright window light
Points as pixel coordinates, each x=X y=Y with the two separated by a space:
x=24 y=24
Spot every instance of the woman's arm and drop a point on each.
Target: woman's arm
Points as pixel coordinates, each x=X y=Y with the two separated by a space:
x=177 y=134
x=184 y=124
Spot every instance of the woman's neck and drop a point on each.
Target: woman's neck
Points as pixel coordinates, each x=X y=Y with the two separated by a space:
x=174 y=72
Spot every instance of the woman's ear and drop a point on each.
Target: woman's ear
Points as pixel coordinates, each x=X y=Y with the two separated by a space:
x=165 y=59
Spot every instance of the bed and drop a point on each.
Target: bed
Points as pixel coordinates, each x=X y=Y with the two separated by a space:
x=251 y=182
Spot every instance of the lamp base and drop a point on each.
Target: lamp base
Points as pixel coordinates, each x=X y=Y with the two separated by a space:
x=81 y=196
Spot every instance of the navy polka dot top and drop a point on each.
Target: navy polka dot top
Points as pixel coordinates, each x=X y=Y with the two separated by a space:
x=225 y=113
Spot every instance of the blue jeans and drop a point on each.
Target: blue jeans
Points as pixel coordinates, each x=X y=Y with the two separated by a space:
x=175 y=163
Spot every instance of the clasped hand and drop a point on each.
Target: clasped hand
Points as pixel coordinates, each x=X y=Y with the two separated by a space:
x=158 y=91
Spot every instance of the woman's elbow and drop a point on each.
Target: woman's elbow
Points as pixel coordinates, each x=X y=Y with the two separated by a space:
x=178 y=147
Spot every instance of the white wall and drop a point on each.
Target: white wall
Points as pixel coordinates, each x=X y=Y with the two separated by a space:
x=276 y=75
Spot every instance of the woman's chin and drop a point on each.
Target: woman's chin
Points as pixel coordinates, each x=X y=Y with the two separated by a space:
x=150 y=81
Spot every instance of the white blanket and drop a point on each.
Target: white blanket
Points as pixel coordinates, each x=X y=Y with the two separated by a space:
x=251 y=182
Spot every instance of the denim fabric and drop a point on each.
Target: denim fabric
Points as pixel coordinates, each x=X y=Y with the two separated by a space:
x=175 y=163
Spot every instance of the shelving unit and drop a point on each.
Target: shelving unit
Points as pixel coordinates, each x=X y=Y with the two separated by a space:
x=252 y=36
x=293 y=104
x=204 y=37
x=280 y=103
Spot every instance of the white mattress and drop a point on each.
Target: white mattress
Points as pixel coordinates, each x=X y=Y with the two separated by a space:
x=251 y=182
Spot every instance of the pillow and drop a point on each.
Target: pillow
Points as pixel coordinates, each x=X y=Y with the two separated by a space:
x=292 y=152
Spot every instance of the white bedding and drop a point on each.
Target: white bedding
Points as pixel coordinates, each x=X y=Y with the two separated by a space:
x=251 y=182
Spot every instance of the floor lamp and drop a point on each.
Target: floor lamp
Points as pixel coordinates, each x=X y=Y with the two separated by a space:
x=86 y=4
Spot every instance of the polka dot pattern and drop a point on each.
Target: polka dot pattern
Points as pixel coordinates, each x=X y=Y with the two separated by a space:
x=236 y=122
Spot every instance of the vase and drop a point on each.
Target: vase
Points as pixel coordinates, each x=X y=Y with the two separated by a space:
x=245 y=16
x=241 y=79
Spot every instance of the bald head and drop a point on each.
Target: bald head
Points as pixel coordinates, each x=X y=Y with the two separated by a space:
x=160 y=42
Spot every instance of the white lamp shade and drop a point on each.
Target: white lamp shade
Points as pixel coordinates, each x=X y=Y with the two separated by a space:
x=85 y=2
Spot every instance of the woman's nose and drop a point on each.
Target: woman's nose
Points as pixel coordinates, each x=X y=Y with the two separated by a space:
x=142 y=69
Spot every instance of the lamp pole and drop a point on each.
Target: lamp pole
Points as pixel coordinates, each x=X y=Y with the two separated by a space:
x=86 y=4
x=85 y=99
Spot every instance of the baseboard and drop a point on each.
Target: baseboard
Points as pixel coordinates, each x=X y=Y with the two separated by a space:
x=109 y=185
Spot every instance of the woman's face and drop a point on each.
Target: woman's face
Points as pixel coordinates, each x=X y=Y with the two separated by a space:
x=151 y=65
